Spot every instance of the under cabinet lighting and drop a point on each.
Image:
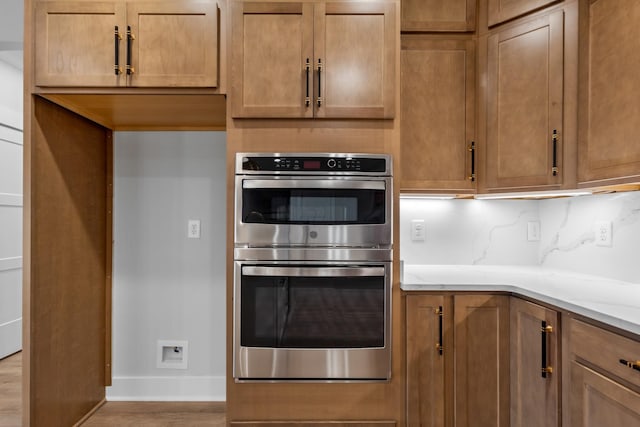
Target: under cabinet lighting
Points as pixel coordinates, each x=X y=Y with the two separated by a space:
x=534 y=195
x=427 y=196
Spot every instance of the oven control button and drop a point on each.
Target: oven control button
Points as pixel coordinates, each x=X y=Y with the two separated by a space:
x=331 y=163
x=313 y=234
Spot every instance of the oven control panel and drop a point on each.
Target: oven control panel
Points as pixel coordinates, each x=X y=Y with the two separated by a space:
x=316 y=163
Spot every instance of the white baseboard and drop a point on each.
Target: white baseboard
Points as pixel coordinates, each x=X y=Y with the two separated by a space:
x=180 y=388
x=10 y=337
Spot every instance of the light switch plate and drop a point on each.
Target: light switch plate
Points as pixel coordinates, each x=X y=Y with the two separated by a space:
x=417 y=230
x=533 y=231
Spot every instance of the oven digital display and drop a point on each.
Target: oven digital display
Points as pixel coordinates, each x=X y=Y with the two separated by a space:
x=311 y=164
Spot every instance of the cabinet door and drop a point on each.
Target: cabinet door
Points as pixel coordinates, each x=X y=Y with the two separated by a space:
x=525 y=104
x=271 y=44
x=438 y=114
x=438 y=15
x=429 y=348
x=534 y=347
x=355 y=56
x=597 y=401
x=481 y=360
x=175 y=45
x=76 y=43
x=503 y=10
x=610 y=89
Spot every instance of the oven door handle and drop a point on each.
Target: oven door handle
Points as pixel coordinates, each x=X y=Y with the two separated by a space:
x=251 y=270
x=315 y=183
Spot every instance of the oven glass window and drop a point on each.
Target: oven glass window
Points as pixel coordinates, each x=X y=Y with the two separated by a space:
x=312 y=312
x=313 y=206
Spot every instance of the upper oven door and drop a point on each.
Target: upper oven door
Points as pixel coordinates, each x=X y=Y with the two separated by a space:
x=313 y=211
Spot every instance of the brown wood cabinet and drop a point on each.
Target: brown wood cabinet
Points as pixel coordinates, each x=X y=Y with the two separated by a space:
x=525 y=101
x=503 y=10
x=438 y=15
x=474 y=333
x=438 y=114
x=604 y=386
x=333 y=60
x=535 y=373
x=609 y=93
x=111 y=44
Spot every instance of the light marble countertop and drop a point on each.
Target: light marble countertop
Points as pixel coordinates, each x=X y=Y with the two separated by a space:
x=613 y=302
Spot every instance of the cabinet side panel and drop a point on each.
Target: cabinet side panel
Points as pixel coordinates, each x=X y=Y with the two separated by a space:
x=68 y=265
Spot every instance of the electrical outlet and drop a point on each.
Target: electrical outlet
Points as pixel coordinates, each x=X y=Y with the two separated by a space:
x=193 y=229
x=417 y=230
x=603 y=233
x=533 y=231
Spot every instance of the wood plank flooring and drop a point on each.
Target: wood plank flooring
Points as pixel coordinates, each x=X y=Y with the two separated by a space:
x=11 y=391
x=120 y=414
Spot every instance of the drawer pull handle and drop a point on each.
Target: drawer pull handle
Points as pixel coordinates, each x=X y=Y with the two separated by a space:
x=307 y=68
x=439 y=346
x=472 y=150
x=554 y=141
x=631 y=364
x=545 y=368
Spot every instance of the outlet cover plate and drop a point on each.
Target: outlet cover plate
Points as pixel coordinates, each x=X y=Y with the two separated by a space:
x=172 y=354
x=603 y=230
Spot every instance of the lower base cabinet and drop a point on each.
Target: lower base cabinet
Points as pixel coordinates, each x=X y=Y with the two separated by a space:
x=535 y=371
x=457 y=360
x=604 y=380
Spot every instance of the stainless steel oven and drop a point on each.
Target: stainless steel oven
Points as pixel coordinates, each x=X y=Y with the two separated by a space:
x=312 y=321
x=313 y=200
x=312 y=277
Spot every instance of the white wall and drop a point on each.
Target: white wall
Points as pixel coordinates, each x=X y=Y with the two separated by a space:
x=10 y=209
x=495 y=232
x=166 y=286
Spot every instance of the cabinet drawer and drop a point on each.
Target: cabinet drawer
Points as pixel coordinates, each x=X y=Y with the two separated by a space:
x=605 y=350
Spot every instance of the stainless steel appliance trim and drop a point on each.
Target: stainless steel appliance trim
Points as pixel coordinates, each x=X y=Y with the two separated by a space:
x=313 y=272
x=344 y=183
x=305 y=254
x=318 y=365
x=387 y=157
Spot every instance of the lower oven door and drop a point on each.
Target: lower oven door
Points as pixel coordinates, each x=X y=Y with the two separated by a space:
x=298 y=321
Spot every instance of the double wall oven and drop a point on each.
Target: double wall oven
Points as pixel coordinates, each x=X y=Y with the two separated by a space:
x=312 y=278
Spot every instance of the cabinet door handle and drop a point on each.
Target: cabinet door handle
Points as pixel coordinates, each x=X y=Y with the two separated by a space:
x=307 y=67
x=439 y=346
x=631 y=364
x=130 y=39
x=117 y=38
x=319 y=82
x=472 y=150
x=554 y=141
x=545 y=329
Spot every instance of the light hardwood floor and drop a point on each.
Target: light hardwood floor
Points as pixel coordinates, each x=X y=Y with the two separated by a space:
x=11 y=391
x=120 y=414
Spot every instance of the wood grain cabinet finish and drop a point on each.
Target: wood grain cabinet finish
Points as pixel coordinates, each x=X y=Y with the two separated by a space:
x=468 y=385
x=609 y=152
x=499 y=11
x=604 y=386
x=525 y=79
x=87 y=44
x=535 y=343
x=429 y=335
x=438 y=15
x=481 y=332
x=438 y=114
x=331 y=60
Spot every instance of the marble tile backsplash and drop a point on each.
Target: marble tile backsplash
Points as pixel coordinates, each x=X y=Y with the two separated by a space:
x=494 y=232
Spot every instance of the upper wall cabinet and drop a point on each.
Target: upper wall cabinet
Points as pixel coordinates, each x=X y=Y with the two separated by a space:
x=110 y=44
x=525 y=78
x=438 y=114
x=609 y=152
x=438 y=15
x=333 y=60
x=503 y=10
